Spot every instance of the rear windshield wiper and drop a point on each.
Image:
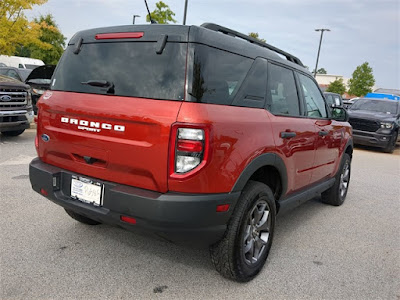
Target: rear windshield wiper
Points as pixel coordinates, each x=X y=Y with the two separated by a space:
x=101 y=83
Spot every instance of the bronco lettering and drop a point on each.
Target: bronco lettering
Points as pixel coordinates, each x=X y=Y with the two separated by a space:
x=92 y=126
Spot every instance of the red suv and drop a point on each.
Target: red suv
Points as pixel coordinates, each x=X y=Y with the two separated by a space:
x=198 y=134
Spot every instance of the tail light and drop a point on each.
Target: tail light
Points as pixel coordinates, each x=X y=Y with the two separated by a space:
x=189 y=149
x=37 y=144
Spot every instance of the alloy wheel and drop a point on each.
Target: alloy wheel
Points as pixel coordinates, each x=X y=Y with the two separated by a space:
x=256 y=232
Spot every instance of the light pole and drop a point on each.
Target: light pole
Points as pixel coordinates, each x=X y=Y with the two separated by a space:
x=134 y=17
x=184 y=13
x=319 y=48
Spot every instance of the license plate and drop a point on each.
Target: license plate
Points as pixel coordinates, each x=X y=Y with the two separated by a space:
x=86 y=190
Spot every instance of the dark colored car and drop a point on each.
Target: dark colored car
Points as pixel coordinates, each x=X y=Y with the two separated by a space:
x=16 y=73
x=39 y=80
x=375 y=122
x=199 y=134
x=333 y=99
x=15 y=106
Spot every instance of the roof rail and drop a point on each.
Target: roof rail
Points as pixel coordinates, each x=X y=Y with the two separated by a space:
x=234 y=33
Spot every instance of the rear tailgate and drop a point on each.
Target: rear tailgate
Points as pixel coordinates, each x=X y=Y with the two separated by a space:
x=112 y=105
x=127 y=143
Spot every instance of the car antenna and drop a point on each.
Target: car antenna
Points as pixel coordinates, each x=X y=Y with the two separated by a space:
x=148 y=10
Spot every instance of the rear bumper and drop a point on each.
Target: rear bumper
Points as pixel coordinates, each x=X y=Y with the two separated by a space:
x=182 y=218
x=371 y=138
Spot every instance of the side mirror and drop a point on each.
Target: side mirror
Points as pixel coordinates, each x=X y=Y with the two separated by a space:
x=340 y=114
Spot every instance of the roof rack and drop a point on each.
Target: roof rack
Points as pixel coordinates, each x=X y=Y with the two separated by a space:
x=234 y=33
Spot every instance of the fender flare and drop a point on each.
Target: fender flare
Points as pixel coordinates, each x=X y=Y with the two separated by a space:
x=349 y=144
x=266 y=159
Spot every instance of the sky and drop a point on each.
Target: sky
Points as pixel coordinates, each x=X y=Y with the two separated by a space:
x=361 y=30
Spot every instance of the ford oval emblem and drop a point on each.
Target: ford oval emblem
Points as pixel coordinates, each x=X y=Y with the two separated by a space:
x=45 y=138
x=5 y=98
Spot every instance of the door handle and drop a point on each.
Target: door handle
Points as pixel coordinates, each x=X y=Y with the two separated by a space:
x=287 y=134
x=323 y=133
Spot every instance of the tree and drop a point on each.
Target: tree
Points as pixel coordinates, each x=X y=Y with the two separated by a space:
x=337 y=87
x=15 y=29
x=49 y=34
x=320 y=71
x=162 y=14
x=255 y=35
x=362 y=80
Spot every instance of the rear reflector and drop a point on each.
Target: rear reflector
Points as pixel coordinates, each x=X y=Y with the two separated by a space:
x=129 y=220
x=223 y=207
x=189 y=146
x=44 y=192
x=119 y=35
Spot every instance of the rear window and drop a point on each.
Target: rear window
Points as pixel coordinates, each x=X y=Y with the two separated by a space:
x=134 y=68
x=217 y=75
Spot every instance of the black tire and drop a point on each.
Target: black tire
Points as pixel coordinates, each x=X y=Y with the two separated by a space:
x=81 y=218
x=338 y=192
x=392 y=143
x=13 y=133
x=235 y=256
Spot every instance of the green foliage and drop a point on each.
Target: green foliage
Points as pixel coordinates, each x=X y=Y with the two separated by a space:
x=337 y=87
x=362 y=80
x=49 y=34
x=320 y=71
x=15 y=29
x=162 y=14
x=255 y=35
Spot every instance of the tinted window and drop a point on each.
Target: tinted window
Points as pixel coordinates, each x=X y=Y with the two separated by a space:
x=337 y=102
x=329 y=99
x=134 y=68
x=252 y=91
x=315 y=103
x=13 y=74
x=217 y=75
x=282 y=92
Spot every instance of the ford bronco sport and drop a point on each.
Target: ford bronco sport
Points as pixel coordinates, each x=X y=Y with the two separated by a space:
x=196 y=133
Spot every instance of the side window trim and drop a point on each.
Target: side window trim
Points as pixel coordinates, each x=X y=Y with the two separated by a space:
x=302 y=102
x=268 y=102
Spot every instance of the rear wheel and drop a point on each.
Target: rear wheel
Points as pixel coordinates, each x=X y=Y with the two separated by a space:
x=337 y=193
x=392 y=143
x=13 y=133
x=81 y=218
x=242 y=253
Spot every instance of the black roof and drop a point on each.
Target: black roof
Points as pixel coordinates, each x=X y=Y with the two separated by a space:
x=222 y=39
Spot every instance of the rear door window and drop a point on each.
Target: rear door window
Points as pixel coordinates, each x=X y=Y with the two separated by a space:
x=133 y=68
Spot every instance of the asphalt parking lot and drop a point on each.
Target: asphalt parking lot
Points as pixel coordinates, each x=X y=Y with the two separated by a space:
x=319 y=251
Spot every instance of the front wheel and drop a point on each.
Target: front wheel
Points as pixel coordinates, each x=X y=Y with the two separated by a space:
x=338 y=192
x=13 y=133
x=242 y=253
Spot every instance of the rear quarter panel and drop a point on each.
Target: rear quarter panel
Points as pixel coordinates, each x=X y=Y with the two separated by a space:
x=238 y=135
